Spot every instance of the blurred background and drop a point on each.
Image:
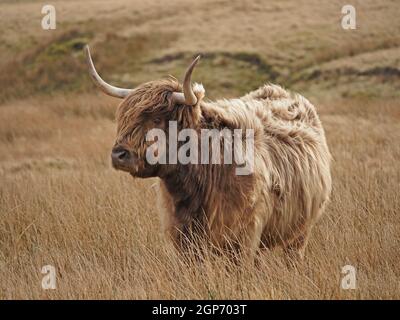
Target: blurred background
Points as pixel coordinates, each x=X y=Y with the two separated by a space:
x=299 y=44
x=62 y=204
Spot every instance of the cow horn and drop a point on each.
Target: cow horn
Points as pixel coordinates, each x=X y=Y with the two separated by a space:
x=104 y=86
x=187 y=97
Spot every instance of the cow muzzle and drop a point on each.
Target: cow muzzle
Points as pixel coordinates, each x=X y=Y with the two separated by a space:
x=123 y=159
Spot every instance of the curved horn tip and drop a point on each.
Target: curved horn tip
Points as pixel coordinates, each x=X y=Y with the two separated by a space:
x=197 y=59
x=104 y=86
x=88 y=56
x=86 y=48
x=194 y=62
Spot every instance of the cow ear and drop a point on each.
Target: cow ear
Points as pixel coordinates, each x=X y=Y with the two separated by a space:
x=190 y=115
x=199 y=92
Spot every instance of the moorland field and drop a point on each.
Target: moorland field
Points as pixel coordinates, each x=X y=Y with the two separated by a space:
x=62 y=204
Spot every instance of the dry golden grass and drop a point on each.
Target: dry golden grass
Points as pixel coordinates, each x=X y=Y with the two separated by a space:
x=62 y=204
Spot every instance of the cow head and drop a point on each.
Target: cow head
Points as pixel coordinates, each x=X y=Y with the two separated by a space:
x=149 y=106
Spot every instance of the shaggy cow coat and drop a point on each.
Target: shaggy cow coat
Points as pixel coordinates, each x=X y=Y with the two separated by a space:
x=275 y=205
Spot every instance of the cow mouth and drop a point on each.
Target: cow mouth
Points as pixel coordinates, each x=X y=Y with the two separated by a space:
x=132 y=169
x=136 y=171
x=124 y=160
x=135 y=167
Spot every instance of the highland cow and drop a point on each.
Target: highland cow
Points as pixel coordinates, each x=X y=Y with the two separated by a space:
x=276 y=205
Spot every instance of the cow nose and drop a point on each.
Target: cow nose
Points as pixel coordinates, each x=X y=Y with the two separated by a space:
x=119 y=155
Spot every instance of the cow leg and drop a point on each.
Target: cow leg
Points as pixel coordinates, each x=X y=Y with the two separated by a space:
x=248 y=242
x=295 y=249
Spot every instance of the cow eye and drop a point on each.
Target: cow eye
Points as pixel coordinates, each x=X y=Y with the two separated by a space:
x=157 y=121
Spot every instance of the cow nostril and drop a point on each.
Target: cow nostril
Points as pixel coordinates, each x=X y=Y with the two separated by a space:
x=120 y=154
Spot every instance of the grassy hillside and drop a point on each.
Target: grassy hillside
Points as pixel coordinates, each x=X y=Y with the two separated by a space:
x=62 y=204
x=299 y=44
